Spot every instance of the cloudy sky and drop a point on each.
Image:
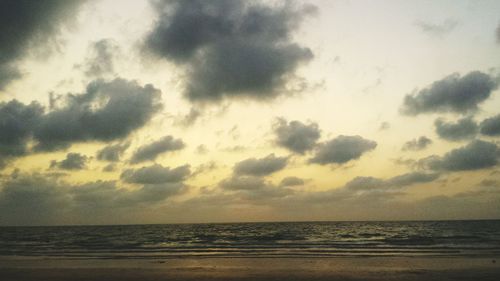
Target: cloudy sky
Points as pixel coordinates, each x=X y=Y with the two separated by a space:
x=212 y=111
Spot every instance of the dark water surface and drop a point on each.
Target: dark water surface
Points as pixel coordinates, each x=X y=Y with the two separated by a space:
x=299 y=239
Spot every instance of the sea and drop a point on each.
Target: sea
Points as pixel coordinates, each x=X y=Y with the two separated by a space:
x=273 y=239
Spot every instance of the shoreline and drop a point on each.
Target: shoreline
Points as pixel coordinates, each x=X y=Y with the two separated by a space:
x=307 y=269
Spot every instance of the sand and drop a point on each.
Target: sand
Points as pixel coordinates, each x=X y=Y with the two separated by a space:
x=265 y=269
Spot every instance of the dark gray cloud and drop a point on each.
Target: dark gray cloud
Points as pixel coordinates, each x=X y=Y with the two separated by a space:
x=243 y=183
x=111 y=167
x=342 y=149
x=417 y=144
x=437 y=29
x=17 y=122
x=106 y=111
x=34 y=199
x=230 y=48
x=112 y=152
x=296 y=136
x=491 y=126
x=100 y=61
x=26 y=24
x=476 y=155
x=292 y=181
x=149 y=152
x=371 y=189
x=260 y=167
x=73 y=161
x=462 y=129
x=454 y=93
x=156 y=174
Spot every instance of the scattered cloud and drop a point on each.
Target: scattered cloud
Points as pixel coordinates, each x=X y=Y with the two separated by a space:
x=462 y=129
x=296 y=136
x=454 y=93
x=384 y=126
x=253 y=188
x=490 y=126
x=73 y=161
x=417 y=144
x=230 y=48
x=149 y=152
x=26 y=24
x=260 y=167
x=342 y=149
x=112 y=152
x=156 y=174
x=106 y=111
x=100 y=61
x=17 y=122
x=292 y=181
x=190 y=118
x=438 y=30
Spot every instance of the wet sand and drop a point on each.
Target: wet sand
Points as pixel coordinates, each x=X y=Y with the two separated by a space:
x=265 y=269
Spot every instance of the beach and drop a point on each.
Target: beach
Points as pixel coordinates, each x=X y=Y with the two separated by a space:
x=307 y=269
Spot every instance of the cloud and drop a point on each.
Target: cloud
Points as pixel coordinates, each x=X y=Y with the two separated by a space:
x=254 y=188
x=190 y=118
x=462 y=129
x=35 y=199
x=26 y=24
x=384 y=126
x=342 y=150
x=296 y=136
x=106 y=111
x=260 y=167
x=230 y=48
x=454 y=93
x=112 y=152
x=156 y=174
x=417 y=144
x=491 y=126
x=100 y=61
x=292 y=181
x=476 y=155
x=437 y=30
x=150 y=152
x=17 y=122
x=73 y=161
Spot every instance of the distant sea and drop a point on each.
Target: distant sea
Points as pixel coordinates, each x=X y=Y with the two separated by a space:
x=281 y=239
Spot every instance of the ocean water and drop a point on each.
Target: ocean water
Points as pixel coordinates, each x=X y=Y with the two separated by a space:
x=299 y=239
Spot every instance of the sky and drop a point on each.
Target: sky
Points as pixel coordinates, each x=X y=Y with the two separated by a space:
x=197 y=111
